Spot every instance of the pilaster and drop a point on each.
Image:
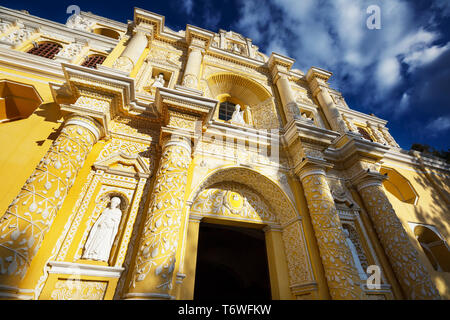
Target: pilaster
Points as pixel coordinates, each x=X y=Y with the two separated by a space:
x=30 y=215
x=317 y=79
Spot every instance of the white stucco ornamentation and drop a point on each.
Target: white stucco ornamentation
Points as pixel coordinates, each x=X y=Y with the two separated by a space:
x=76 y=21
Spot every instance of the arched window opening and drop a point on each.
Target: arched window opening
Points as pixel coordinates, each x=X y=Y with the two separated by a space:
x=365 y=134
x=93 y=60
x=434 y=248
x=46 y=49
x=399 y=186
x=107 y=33
x=226 y=110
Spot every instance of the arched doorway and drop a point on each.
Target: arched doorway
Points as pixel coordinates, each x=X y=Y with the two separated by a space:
x=231 y=263
x=242 y=197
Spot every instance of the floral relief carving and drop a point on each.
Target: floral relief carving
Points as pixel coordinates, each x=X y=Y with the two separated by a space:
x=340 y=272
x=79 y=290
x=296 y=254
x=71 y=50
x=155 y=260
x=4 y=26
x=272 y=193
x=94 y=104
x=411 y=273
x=230 y=199
x=31 y=214
x=124 y=64
x=130 y=148
x=18 y=36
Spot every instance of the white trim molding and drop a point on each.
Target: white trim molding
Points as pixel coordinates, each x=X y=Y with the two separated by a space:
x=82 y=269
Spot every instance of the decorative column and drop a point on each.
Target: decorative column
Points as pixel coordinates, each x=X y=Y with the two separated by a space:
x=152 y=276
x=340 y=271
x=192 y=70
x=279 y=67
x=30 y=215
x=411 y=273
x=198 y=41
x=317 y=81
x=135 y=47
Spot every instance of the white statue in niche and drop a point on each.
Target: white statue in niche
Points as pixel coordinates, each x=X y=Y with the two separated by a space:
x=238 y=115
x=159 y=81
x=103 y=232
x=351 y=246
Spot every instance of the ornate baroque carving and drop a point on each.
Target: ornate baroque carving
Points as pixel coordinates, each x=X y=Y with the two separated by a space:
x=155 y=261
x=340 y=272
x=31 y=214
x=404 y=259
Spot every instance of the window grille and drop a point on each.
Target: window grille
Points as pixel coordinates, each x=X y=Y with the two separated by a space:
x=93 y=61
x=226 y=110
x=46 y=49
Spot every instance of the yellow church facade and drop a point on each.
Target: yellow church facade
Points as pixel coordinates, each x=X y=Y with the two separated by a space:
x=140 y=162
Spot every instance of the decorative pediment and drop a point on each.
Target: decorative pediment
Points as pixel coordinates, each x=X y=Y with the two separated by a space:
x=124 y=164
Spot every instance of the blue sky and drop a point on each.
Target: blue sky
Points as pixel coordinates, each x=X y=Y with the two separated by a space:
x=400 y=72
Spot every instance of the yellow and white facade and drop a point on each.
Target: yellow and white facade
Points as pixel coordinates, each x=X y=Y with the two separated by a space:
x=329 y=186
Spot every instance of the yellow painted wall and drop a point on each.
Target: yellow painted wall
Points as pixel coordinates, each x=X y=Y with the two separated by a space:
x=431 y=209
x=25 y=141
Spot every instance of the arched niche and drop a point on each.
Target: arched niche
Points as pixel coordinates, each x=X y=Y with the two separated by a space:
x=107 y=32
x=399 y=186
x=433 y=245
x=226 y=86
x=260 y=202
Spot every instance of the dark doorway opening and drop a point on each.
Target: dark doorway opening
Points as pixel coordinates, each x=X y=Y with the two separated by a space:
x=231 y=264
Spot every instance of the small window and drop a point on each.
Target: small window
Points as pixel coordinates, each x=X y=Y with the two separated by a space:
x=46 y=49
x=93 y=60
x=365 y=134
x=226 y=110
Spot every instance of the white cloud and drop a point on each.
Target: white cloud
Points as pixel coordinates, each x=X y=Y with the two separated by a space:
x=403 y=106
x=188 y=6
x=333 y=35
x=388 y=73
x=439 y=124
x=424 y=56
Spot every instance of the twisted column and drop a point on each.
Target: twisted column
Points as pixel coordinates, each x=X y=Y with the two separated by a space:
x=411 y=273
x=152 y=275
x=29 y=217
x=340 y=271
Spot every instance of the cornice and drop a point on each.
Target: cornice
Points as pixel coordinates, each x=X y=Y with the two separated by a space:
x=236 y=58
x=278 y=59
x=315 y=72
x=29 y=63
x=403 y=156
x=185 y=102
x=359 y=115
x=308 y=133
x=352 y=146
x=55 y=26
